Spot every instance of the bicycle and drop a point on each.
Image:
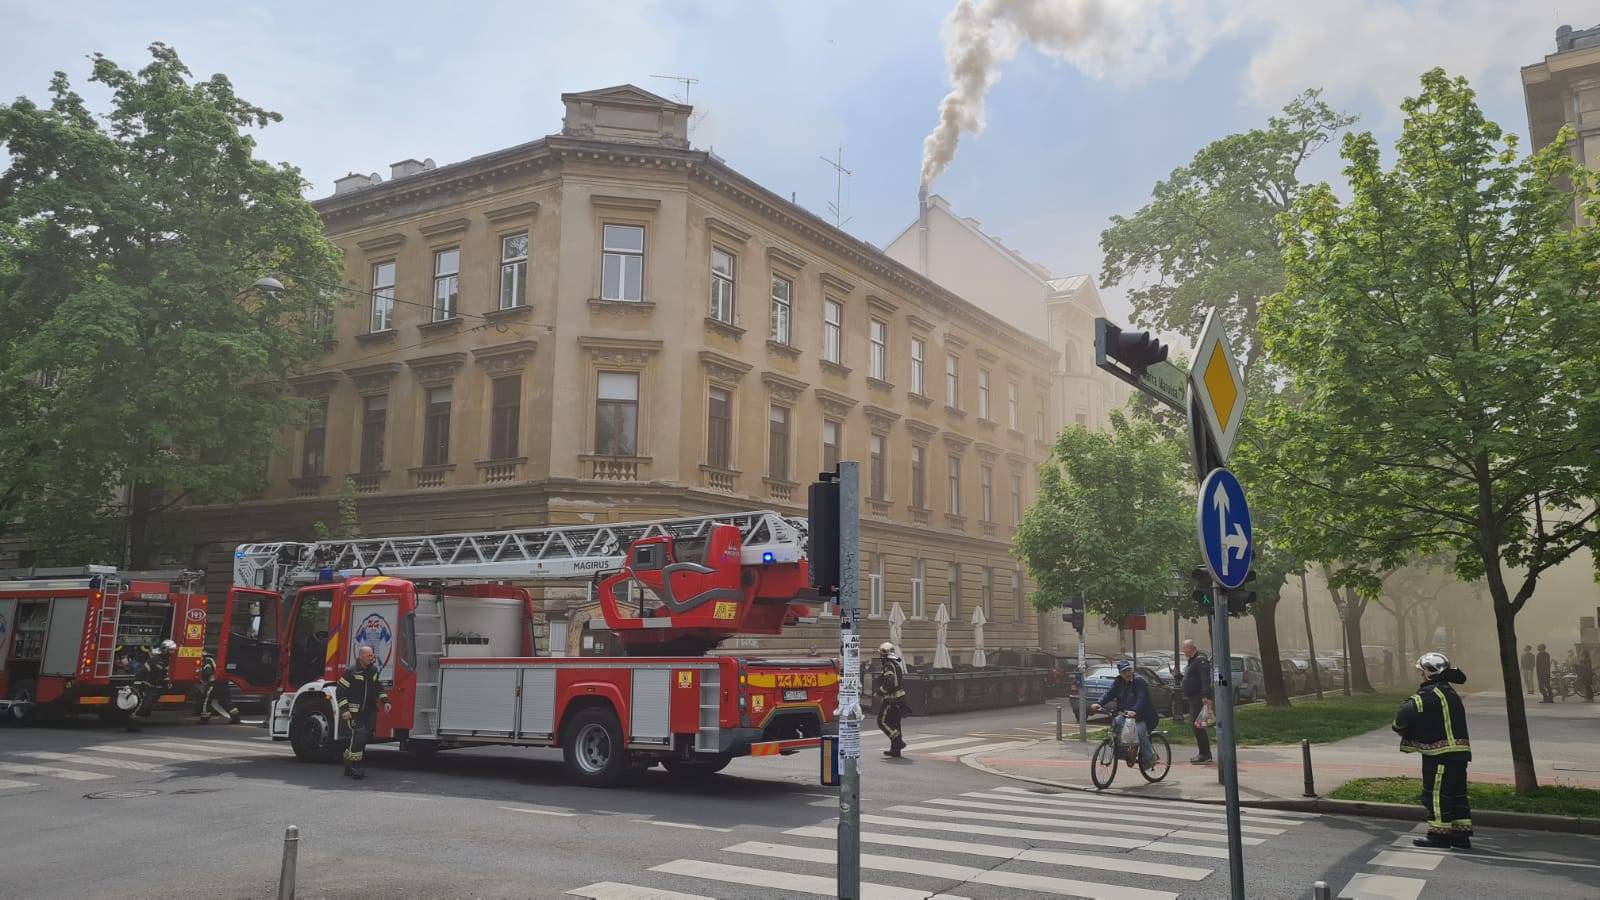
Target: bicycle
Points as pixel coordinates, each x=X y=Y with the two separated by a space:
x=1113 y=750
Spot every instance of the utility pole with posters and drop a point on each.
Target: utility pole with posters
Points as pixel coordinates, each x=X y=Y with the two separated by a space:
x=834 y=542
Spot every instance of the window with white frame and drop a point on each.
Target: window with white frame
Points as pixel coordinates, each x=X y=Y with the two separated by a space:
x=875 y=588
x=616 y=414
x=955 y=485
x=1038 y=416
x=986 y=493
x=722 y=264
x=877 y=480
x=514 y=270
x=983 y=393
x=988 y=592
x=1013 y=413
x=383 y=296
x=952 y=380
x=622 y=263
x=919 y=603
x=1016 y=499
x=918 y=476
x=953 y=589
x=918 y=349
x=446 y=283
x=833 y=331
x=830 y=445
x=880 y=349
x=782 y=309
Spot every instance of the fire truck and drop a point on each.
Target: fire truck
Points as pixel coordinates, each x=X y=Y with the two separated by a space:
x=454 y=634
x=70 y=638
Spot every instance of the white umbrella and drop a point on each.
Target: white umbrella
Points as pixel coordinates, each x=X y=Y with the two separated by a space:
x=979 y=658
x=941 y=652
x=897 y=620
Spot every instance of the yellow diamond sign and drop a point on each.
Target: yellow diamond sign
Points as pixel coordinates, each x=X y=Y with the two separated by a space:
x=1217 y=386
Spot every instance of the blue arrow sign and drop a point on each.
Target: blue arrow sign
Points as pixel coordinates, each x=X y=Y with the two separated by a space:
x=1222 y=518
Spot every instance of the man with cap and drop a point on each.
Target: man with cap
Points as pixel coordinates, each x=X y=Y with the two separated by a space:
x=1433 y=722
x=889 y=694
x=1132 y=694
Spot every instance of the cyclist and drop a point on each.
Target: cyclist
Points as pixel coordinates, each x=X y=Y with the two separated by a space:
x=1131 y=694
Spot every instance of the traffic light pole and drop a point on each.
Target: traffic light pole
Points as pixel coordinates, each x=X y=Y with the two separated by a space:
x=848 y=869
x=1227 y=743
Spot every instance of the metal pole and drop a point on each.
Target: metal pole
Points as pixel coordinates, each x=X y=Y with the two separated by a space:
x=1083 y=691
x=1058 y=722
x=848 y=869
x=1305 y=760
x=1226 y=753
x=291 y=849
x=1321 y=891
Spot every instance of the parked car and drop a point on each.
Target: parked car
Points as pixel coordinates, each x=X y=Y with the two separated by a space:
x=1296 y=675
x=1099 y=679
x=1249 y=679
x=1060 y=670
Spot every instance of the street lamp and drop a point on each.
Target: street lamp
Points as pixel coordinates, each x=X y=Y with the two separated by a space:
x=266 y=284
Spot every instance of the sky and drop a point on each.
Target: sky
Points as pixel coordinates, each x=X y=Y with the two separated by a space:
x=1075 y=132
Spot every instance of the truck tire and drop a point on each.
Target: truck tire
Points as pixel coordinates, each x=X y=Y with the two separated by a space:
x=698 y=768
x=311 y=732
x=25 y=691
x=593 y=748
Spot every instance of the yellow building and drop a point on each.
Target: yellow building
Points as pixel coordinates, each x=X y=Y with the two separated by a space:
x=1564 y=89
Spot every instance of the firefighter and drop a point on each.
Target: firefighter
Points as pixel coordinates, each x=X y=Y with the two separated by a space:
x=889 y=692
x=360 y=692
x=152 y=678
x=1433 y=722
x=214 y=695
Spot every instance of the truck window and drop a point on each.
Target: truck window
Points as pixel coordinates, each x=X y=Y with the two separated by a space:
x=32 y=618
x=309 y=642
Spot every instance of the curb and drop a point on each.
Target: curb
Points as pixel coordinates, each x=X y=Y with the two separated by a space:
x=1401 y=811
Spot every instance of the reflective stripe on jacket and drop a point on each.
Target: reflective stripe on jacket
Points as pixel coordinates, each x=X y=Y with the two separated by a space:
x=360 y=692
x=1433 y=721
x=888 y=685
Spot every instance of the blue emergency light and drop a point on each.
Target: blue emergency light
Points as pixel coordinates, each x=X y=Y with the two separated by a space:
x=325 y=574
x=767 y=557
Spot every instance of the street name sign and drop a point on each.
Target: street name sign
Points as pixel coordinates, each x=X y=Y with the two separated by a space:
x=1218 y=385
x=1222 y=519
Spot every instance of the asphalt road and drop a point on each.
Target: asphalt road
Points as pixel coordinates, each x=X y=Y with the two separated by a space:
x=188 y=810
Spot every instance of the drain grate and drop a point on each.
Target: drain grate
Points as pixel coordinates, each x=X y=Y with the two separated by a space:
x=119 y=795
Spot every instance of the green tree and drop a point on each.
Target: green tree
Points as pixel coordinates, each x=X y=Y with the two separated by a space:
x=1443 y=328
x=138 y=368
x=1113 y=520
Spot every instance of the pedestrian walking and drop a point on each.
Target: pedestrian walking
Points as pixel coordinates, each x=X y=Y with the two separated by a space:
x=214 y=694
x=1586 y=676
x=889 y=694
x=1541 y=666
x=1433 y=722
x=1527 y=668
x=1198 y=698
x=360 y=692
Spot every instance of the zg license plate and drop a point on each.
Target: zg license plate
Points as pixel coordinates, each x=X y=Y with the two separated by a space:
x=794 y=695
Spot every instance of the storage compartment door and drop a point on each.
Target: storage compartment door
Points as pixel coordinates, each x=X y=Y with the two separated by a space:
x=651 y=706
x=65 y=636
x=373 y=624
x=476 y=700
x=8 y=624
x=538 y=704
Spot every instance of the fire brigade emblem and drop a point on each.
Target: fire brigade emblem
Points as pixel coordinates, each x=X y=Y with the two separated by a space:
x=376 y=633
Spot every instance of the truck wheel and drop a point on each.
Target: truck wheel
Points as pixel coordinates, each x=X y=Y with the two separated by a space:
x=311 y=732
x=593 y=748
x=697 y=768
x=23 y=692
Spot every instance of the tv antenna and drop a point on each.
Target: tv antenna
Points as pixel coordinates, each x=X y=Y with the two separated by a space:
x=840 y=173
x=688 y=82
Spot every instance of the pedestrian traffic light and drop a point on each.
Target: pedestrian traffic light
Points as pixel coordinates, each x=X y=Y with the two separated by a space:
x=1241 y=598
x=1073 y=613
x=1204 y=591
x=822 y=539
x=1138 y=350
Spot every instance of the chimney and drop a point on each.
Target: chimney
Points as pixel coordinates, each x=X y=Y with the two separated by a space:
x=354 y=182
x=922 y=229
x=409 y=167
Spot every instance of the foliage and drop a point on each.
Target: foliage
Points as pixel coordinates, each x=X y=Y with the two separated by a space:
x=1332 y=718
x=1443 y=330
x=1550 y=800
x=349 y=518
x=138 y=370
x=1113 y=519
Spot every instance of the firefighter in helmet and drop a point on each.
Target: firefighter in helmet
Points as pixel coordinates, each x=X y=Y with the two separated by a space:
x=360 y=692
x=214 y=694
x=152 y=678
x=1433 y=722
x=889 y=694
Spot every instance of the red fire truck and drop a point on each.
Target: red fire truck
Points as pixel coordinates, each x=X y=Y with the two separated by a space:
x=455 y=641
x=60 y=630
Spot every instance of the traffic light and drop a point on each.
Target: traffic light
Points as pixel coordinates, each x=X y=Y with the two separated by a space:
x=1073 y=613
x=1138 y=350
x=1242 y=597
x=1204 y=591
x=822 y=539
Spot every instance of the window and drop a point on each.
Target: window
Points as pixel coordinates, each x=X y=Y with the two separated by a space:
x=313 y=452
x=875 y=589
x=833 y=331
x=719 y=429
x=383 y=296
x=879 y=332
x=778 y=443
x=917 y=350
x=955 y=485
x=877 y=486
x=514 y=270
x=952 y=380
x=505 y=417
x=1038 y=416
x=986 y=493
x=988 y=592
x=782 y=297
x=374 y=424
x=830 y=445
x=917 y=493
x=983 y=393
x=919 y=603
x=616 y=414
x=722 y=286
x=1017 y=595
x=622 y=263
x=1016 y=499
x=1082 y=420
x=1013 y=415
x=436 y=428
x=954 y=586
x=446 y=283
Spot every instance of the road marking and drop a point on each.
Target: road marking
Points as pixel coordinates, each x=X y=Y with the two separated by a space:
x=996 y=831
x=131 y=765
x=539 y=812
x=612 y=890
x=1480 y=855
x=52 y=772
x=208 y=744
x=144 y=751
x=689 y=825
x=805 y=884
x=1088 y=824
x=1186 y=849
x=1382 y=887
x=1405 y=859
x=1039 y=883
x=1167 y=808
x=7 y=784
x=1273 y=816
x=983 y=748
x=998 y=851
x=929 y=745
x=1087 y=809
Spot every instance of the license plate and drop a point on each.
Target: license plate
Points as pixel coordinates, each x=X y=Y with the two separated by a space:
x=794 y=695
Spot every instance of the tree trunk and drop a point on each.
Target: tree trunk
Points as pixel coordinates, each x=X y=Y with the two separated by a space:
x=1505 y=626
x=1311 y=640
x=1354 y=608
x=139 y=515
x=1399 y=639
x=1266 y=614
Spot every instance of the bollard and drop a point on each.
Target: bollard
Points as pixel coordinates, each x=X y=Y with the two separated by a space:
x=1305 y=758
x=1058 y=722
x=291 y=847
x=1320 y=891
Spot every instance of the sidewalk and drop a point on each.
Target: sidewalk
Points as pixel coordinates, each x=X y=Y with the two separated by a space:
x=1565 y=737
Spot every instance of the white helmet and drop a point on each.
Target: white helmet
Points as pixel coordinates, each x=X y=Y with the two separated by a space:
x=167 y=646
x=887 y=649
x=1432 y=663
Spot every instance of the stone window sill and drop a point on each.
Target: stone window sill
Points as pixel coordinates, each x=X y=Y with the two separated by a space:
x=511 y=312
x=450 y=324
x=955 y=411
x=788 y=350
x=385 y=336
x=726 y=329
x=834 y=368
x=623 y=307
x=879 y=384
x=919 y=399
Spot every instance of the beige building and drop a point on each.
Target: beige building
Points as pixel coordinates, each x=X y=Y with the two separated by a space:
x=606 y=324
x=1564 y=89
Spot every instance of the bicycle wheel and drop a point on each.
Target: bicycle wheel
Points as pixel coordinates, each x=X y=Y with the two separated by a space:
x=1162 y=764
x=1103 y=765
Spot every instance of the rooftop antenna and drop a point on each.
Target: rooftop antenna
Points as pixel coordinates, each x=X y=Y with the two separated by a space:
x=839 y=175
x=688 y=82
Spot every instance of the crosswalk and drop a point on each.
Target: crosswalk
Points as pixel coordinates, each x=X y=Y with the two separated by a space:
x=951 y=747
x=25 y=769
x=1004 y=837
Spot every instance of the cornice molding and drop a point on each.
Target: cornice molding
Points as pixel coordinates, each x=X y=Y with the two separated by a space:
x=836 y=284
x=785 y=258
x=525 y=210
x=727 y=230
x=782 y=387
x=445 y=228
x=724 y=370
x=631 y=204
x=385 y=242
x=881 y=305
x=437 y=370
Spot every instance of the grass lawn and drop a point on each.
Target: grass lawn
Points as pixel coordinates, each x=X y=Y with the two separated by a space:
x=1551 y=800
x=1333 y=718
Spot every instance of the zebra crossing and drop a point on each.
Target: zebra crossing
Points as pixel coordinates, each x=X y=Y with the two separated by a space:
x=22 y=770
x=1004 y=838
x=951 y=747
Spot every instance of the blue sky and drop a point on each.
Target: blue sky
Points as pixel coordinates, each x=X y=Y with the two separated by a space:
x=1071 y=138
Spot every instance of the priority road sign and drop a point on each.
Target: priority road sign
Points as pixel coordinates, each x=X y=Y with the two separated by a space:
x=1222 y=518
x=1218 y=385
